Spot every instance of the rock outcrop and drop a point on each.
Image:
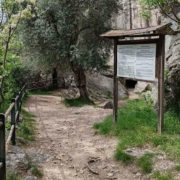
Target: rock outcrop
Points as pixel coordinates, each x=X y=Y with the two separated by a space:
x=103 y=84
x=173 y=73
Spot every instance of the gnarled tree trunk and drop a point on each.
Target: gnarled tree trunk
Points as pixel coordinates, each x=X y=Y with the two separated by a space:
x=54 y=78
x=80 y=79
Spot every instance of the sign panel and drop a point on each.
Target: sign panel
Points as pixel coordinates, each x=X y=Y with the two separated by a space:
x=137 y=61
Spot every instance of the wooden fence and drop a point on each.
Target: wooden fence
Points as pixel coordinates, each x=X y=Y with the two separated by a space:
x=12 y=115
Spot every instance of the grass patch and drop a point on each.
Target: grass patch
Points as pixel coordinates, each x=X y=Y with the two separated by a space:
x=162 y=176
x=136 y=126
x=34 y=169
x=13 y=176
x=124 y=157
x=146 y=163
x=79 y=102
x=177 y=168
x=27 y=126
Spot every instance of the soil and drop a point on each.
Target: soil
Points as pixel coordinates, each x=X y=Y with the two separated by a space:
x=68 y=148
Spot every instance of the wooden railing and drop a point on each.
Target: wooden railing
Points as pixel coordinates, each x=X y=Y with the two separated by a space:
x=12 y=115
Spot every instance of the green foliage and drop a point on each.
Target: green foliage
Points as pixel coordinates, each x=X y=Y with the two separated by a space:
x=162 y=176
x=169 y=8
x=177 y=168
x=68 y=32
x=146 y=163
x=34 y=168
x=36 y=171
x=13 y=176
x=12 y=13
x=79 y=102
x=27 y=127
x=124 y=157
x=10 y=86
x=136 y=126
x=8 y=125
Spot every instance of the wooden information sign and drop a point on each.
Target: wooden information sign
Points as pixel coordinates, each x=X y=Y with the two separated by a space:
x=137 y=61
x=139 y=54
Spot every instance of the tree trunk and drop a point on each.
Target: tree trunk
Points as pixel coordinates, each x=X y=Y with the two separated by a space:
x=80 y=79
x=54 y=78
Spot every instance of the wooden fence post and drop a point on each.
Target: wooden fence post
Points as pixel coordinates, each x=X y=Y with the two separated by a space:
x=13 y=122
x=20 y=101
x=2 y=148
x=115 y=91
x=17 y=108
x=161 y=83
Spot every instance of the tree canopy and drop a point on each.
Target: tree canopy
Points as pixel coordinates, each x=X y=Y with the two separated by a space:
x=68 y=32
x=11 y=13
x=170 y=8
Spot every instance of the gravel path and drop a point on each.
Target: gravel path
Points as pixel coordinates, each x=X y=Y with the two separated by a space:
x=67 y=147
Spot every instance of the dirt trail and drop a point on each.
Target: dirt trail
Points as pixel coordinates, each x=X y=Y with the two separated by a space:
x=66 y=142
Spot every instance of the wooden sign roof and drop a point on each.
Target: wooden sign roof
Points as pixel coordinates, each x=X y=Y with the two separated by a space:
x=164 y=29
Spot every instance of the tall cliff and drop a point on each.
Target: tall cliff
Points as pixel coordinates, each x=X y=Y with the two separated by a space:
x=130 y=16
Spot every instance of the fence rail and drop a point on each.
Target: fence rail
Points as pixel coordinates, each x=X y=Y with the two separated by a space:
x=12 y=114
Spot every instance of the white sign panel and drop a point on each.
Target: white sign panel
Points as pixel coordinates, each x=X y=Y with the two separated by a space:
x=137 y=61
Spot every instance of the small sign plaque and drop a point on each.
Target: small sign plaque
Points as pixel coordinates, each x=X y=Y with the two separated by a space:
x=137 y=61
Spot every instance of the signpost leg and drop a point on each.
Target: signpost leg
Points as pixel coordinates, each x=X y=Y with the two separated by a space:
x=161 y=84
x=115 y=93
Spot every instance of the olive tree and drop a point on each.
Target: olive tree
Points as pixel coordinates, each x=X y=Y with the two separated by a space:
x=67 y=32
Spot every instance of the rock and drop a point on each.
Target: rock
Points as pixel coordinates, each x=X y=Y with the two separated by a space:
x=30 y=178
x=110 y=174
x=122 y=21
x=104 y=85
x=142 y=87
x=138 y=174
x=173 y=79
x=17 y=159
x=108 y=105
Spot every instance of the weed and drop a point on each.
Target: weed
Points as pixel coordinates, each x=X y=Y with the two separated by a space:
x=162 y=176
x=36 y=171
x=104 y=127
x=27 y=127
x=177 y=168
x=123 y=157
x=34 y=168
x=13 y=176
x=146 y=163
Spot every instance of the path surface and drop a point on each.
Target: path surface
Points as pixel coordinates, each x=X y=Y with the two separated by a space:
x=67 y=147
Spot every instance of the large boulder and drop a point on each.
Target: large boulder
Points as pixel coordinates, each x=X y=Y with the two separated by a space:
x=104 y=84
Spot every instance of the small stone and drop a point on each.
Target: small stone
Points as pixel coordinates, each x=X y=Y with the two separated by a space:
x=138 y=174
x=110 y=174
x=30 y=178
x=108 y=105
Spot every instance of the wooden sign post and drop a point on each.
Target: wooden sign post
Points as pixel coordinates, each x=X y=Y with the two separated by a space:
x=139 y=54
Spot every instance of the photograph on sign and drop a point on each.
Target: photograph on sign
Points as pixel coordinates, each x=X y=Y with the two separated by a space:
x=137 y=61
